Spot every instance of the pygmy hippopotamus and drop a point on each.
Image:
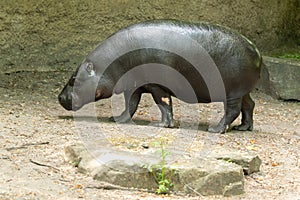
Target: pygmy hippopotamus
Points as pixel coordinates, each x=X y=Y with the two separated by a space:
x=213 y=62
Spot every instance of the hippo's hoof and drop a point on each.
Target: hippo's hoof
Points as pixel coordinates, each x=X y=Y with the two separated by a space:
x=217 y=129
x=163 y=124
x=243 y=127
x=119 y=119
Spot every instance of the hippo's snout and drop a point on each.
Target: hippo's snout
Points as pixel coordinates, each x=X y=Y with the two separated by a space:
x=65 y=101
x=65 y=98
x=69 y=100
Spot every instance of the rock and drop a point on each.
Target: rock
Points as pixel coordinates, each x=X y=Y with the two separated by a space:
x=72 y=153
x=217 y=174
x=112 y=166
x=233 y=189
x=280 y=78
x=210 y=177
x=248 y=161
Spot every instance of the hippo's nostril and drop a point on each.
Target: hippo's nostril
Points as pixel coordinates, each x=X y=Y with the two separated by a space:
x=65 y=102
x=61 y=98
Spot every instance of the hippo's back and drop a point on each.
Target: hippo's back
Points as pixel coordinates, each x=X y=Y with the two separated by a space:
x=215 y=39
x=236 y=57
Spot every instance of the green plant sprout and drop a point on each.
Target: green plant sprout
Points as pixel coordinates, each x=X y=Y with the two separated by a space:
x=290 y=56
x=158 y=170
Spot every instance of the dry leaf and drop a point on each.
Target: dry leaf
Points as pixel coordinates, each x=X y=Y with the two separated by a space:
x=78 y=186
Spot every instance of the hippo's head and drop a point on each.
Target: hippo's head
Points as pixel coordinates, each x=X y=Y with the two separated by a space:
x=83 y=87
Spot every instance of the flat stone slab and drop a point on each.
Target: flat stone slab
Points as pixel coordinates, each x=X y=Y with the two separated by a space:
x=250 y=162
x=220 y=173
x=280 y=78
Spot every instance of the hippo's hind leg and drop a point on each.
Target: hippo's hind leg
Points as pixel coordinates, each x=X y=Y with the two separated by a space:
x=247 y=114
x=232 y=111
x=164 y=101
x=132 y=100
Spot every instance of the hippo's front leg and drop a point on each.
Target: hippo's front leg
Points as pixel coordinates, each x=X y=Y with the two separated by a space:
x=131 y=103
x=220 y=128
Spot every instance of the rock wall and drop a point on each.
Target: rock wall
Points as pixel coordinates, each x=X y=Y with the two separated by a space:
x=58 y=34
x=280 y=78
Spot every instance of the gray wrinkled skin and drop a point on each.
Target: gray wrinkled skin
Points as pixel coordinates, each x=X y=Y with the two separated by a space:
x=237 y=60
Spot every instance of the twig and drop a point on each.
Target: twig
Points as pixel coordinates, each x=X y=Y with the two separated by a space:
x=33 y=71
x=26 y=145
x=43 y=165
x=255 y=180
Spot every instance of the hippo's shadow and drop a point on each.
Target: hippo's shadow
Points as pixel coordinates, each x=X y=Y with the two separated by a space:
x=201 y=126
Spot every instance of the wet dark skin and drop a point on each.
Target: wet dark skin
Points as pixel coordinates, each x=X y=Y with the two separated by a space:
x=237 y=59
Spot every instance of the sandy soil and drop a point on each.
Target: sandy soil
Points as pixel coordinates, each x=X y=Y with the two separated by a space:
x=34 y=129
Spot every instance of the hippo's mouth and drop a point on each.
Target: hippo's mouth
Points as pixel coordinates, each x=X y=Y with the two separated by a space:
x=76 y=104
x=69 y=102
x=76 y=107
x=70 y=106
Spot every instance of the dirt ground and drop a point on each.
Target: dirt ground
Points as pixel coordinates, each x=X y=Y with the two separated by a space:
x=34 y=129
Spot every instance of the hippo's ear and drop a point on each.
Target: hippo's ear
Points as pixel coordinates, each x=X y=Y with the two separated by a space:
x=90 y=69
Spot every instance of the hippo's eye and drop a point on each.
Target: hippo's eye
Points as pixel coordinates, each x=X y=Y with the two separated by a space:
x=89 y=66
x=90 y=69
